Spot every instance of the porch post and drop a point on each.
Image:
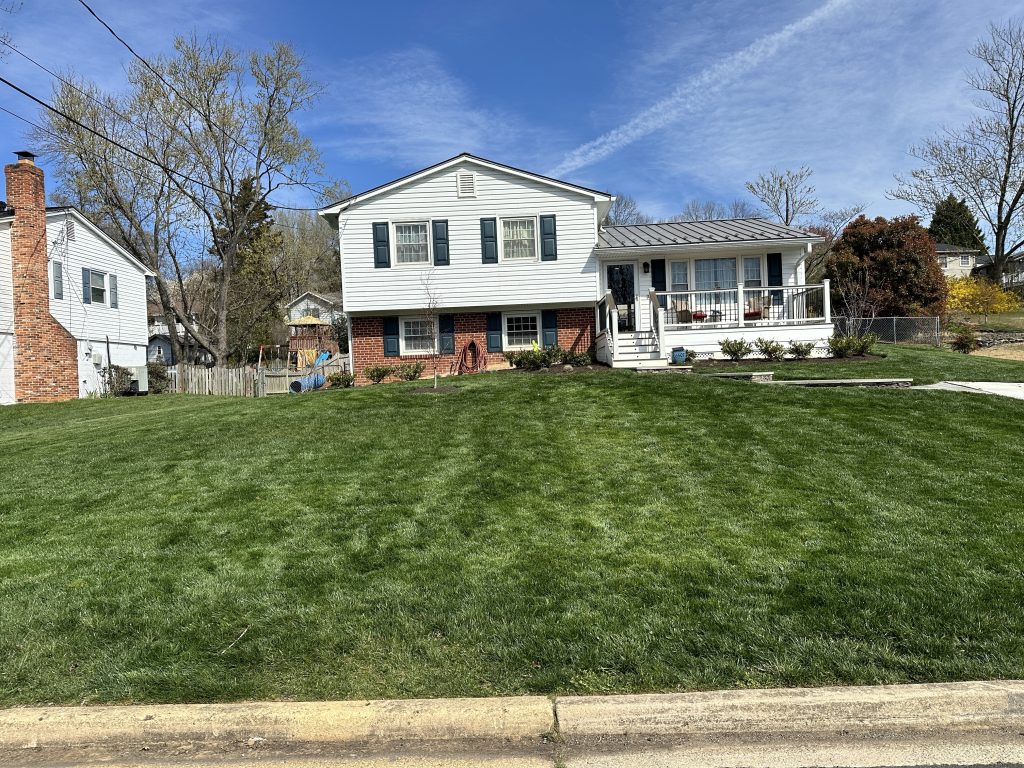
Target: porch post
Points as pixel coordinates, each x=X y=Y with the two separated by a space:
x=739 y=301
x=828 y=301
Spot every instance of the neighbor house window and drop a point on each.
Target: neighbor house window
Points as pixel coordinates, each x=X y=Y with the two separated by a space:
x=97 y=287
x=965 y=260
x=411 y=245
x=680 y=275
x=418 y=337
x=521 y=331
x=58 y=280
x=715 y=274
x=519 y=239
x=752 y=271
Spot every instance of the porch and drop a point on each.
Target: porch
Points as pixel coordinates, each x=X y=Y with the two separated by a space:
x=644 y=332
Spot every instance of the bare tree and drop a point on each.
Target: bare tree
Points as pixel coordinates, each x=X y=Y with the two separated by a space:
x=708 y=210
x=829 y=224
x=982 y=162
x=431 y=303
x=309 y=259
x=624 y=210
x=786 y=194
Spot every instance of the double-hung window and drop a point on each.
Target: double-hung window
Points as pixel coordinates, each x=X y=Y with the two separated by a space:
x=418 y=336
x=752 y=271
x=97 y=287
x=412 y=244
x=680 y=275
x=965 y=260
x=715 y=274
x=519 y=239
x=522 y=330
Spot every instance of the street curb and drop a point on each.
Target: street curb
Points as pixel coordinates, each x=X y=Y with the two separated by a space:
x=280 y=725
x=822 y=711
x=522 y=722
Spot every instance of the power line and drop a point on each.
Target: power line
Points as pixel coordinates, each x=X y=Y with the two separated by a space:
x=181 y=96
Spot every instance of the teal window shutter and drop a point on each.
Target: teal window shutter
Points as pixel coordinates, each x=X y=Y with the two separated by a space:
x=548 y=239
x=446 y=334
x=86 y=287
x=440 y=228
x=391 y=337
x=113 y=291
x=58 y=280
x=489 y=241
x=381 y=245
x=494 y=331
x=549 y=328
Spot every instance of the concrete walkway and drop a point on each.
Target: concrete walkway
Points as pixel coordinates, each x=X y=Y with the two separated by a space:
x=1003 y=389
x=951 y=723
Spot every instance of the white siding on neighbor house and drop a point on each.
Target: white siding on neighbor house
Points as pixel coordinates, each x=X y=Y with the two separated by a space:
x=304 y=307
x=6 y=318
x=466 y=281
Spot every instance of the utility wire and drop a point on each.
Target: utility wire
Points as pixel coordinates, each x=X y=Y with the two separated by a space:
x=181 y=96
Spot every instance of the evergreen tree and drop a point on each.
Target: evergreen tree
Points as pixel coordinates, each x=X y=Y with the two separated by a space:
x=954 y=223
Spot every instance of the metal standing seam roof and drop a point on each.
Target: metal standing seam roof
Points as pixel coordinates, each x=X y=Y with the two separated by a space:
x=698 y=233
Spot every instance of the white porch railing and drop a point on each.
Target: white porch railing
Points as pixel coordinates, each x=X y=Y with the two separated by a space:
x=607 y=325
x=743 y=306
x=658 y=318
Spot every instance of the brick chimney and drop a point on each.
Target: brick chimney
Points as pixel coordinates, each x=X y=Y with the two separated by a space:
x=45 y=353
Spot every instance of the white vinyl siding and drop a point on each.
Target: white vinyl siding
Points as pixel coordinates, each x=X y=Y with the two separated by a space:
x=521 y=329
x=466 y=281
x=416 y=336
x=412 y=242
x=518 y=239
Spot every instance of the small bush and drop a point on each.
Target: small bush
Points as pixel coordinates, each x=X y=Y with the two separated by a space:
x=159 y=379
x=410 y=371
x=735 y=349
x=577 y=359
x=377 y=373
x=544 y=357
x=800 y=350
x=770 y=349
x=861 y=345
x=341 y=380
x=117 y=381
x=841 y=346
x=964 y=340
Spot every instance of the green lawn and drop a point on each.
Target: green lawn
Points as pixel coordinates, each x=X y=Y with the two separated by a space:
x=925 y=365
x=526 y=533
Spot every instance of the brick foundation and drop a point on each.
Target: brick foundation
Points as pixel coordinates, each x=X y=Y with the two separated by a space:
x=45 y=354
x=576 y=332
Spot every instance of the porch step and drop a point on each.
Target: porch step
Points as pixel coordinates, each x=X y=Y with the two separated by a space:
x=624 y=354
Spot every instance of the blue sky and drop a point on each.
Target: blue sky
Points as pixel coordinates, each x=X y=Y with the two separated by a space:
x=666 y=101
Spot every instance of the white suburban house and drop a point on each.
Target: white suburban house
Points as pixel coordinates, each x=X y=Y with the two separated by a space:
x=956 y=260
x=72 y=301
x=472 y=256
x=322 y=306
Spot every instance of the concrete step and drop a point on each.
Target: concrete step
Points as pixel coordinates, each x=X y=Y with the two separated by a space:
x=638 y=356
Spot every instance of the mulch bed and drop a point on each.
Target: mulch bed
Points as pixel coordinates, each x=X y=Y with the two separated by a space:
x=597 y=368
x=697 y=364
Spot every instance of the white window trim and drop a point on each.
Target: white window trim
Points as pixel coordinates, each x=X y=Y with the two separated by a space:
x=402 y=351
x=965 y=257
x=763 y=268
x=106 y=287
x=430 y=244
x=505 y=345
x=501 y=240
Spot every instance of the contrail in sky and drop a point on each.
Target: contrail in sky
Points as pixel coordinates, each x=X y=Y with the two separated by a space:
x=686 y=95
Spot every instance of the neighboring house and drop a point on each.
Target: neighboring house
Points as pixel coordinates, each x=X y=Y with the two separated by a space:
x=1013 y=270
x=956 y=260
x=323 y=306
x=509 y=258
x=72 y=301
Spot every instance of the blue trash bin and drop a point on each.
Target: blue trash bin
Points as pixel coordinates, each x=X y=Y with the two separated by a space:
x=678 y=355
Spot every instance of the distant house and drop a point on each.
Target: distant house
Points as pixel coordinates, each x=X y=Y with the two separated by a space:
x=72 y=301
x=322 y=306
x=956 y=260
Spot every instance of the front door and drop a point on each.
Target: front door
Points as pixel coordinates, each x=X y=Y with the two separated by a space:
x=621 y=282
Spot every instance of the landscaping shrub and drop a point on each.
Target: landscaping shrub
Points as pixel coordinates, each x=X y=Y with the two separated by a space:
x=544 y=357
x=341 y=380
x=770 y=349
x=410 y=371
x=577 y=359
x=159 y=380
x=377 y=373
x=800 y=350
x=735 y=349
x=861 y=345
x=117 y=381
x=964 y=340
x=840 y=346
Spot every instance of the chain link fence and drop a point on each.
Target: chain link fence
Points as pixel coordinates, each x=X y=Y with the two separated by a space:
x=894 y=330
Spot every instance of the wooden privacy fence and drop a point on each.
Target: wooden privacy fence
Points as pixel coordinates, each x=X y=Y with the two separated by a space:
x=241 y=382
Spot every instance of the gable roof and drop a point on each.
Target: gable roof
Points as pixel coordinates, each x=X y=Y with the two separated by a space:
x=948 y=248
x=55 y=211
x=677 y=233
x=335 y=208
x=333 y=299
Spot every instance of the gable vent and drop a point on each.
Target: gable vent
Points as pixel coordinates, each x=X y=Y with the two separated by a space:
x=70 y=229
x=465 y=183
